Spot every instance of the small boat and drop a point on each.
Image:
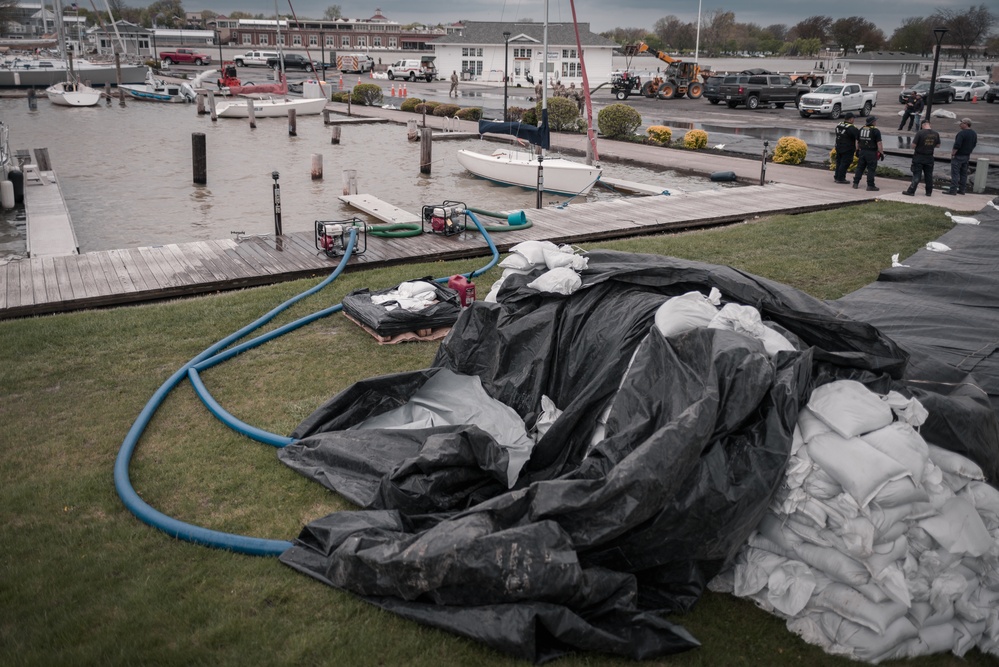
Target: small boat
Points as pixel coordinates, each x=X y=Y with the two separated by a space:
x=157 y=90
x=270 y=107
x=510 y=167
x=72 y=94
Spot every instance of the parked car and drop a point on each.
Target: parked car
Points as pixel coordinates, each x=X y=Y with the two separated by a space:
x=188 y=56
x=833 y=99
x=967 y=90
x=992 y=94
x=712 y=89
x=942 y=92
x=765 y=89
x=295 y=61
x=255 y=58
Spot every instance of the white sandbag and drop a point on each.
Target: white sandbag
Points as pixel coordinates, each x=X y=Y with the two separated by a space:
x=498 y=285
x=892 y=581
x=840 y=509
x=758 y=541
x=534 y=251
x=966 y=635
x=797 y=442
x=837 y=565
x=851 y=604
x=908 y=410
x=886 y=554
x=863 y=643
x=809 y=628
x=946 y=589
x=516 y=261
x=819 y=484
x=790 y=586
x=563 y=256
x=806 y=530
x=557 y=281
x=922 y=614
x=904 y=444
x=549 y=414
x=746 y=320
x=954 y=482
x=810 y=424
x=774 y=530
x=955 y=464
x=959 y=528
x=936 y=639
x=872 y=592
x=797 y=469
x=985 y=498
x=900 y=492
x=814 y=510
x=752 y=570
x=683 y=313
x=854 y=537
x=849 y=408
x=859 y=468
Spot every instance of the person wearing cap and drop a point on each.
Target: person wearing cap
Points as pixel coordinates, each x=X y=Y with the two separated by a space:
x=846 y=147
x=912 y=112
x=870 y=150
x=922 y=158
x=960 y=157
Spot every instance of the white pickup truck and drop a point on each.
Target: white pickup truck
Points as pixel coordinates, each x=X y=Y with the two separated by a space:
x=834 y=99
x=961 y=75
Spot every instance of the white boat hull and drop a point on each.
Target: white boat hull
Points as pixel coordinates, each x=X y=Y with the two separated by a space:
x=73 y=95
x=37 y=72
x=561 y=176
x=165 y=93
x=270 y=108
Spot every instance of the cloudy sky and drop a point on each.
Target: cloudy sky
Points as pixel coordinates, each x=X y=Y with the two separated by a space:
x=602 y=15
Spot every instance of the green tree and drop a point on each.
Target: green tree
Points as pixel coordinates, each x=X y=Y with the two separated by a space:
x=716 y=30
x=7 y=10
x=674 y=34
x=966 y=29
x=333 y=12
x=814 y=27
x=849 y=32
x=915 y=35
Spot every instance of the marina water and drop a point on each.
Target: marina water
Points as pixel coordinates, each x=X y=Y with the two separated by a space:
x=127 y=175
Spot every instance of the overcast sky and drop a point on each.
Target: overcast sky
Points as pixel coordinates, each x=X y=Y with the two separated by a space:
x=602 y=15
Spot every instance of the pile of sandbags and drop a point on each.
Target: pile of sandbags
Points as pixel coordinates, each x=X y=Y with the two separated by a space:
x=561 y=266
x=879 y=545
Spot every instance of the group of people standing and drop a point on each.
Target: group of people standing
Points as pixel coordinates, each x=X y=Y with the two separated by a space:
x=866 y=144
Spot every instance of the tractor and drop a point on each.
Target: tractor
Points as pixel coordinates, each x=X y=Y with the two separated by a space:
x=680 y=78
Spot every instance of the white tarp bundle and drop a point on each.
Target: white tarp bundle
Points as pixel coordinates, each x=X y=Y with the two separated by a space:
x=879 y=545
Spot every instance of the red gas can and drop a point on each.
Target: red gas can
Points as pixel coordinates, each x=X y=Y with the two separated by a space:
x=465 y=289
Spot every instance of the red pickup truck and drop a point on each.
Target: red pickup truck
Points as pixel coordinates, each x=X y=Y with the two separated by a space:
x=185 y=56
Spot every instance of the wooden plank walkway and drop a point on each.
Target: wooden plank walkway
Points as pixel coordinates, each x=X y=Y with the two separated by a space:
x=42 y=285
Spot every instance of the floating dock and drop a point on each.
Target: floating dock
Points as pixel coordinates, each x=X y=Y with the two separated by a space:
x=380 y=209
x=49 y=228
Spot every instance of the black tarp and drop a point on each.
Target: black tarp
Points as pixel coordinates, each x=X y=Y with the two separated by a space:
x=386 y=321
x=942 y=308
x=538 y=135
x=593 y=543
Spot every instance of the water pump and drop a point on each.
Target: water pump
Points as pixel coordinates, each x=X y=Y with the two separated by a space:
x=332 y=236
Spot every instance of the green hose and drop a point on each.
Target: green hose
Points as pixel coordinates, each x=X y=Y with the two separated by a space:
x=502 y=228
x=397 y=230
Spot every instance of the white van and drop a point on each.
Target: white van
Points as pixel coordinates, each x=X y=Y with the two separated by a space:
x=354 y=63
x=255 y=58
x=423 y=68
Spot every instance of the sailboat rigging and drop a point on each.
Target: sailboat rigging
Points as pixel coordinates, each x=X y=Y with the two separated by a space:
x=71 y=92
x=527 y=169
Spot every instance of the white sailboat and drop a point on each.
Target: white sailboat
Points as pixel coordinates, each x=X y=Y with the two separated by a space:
x=526 y=169
x=69 y=93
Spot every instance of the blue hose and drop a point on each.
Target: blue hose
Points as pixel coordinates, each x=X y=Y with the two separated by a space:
x=206 y=359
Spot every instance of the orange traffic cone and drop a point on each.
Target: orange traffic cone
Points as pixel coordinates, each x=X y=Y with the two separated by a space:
x=974 y=100
x=340 y=85
x=403 y=90
x=393 y=90
x=359 y=81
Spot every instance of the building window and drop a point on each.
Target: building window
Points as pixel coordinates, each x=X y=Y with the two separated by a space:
x=296 y=40
x=344 y=41
x=330 y=40
x=473 y=67
x=263 y=40
x=522 y=53
x=362 y=41
x=377 y=41
x=248 y=38
x=568 y=53
x=281 y=40
x=313 y=40
x=571 y=69
x=393 y=43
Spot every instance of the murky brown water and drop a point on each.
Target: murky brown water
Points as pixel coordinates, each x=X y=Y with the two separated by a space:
x=127 y=173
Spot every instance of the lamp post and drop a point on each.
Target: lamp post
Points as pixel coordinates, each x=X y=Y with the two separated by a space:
x=322 y=54
x=506 y=69
x=938 y=33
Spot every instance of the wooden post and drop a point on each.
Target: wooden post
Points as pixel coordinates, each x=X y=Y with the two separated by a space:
x=200 y=158
x=426 y=149
x=326 y=116
x=121 y=97
x=336 y=135
x=349 y=181
x=42 y=159
x=117 y=68
x=107 y=93
x=317 y=166
x=211 y=105
x=201 y=104
x=32 y=99
x=251 y=113
x=411 y=132
x=348 y=104
x=292 y=123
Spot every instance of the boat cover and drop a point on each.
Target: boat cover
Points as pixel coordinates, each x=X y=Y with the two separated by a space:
x=386 y=318
x=601 y=536
x=537 y=135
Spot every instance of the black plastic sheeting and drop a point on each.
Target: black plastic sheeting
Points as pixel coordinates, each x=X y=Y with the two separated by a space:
x=593 y=546
x=385 y=322
x=942 y=308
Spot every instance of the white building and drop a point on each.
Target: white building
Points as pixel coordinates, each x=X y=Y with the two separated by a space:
x=480 y=50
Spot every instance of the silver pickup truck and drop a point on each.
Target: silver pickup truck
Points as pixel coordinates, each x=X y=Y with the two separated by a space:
x=834 y=99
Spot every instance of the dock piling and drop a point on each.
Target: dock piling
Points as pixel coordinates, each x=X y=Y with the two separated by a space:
x=200 y=158
x=251 y=114
x=292 y=123
x=317 y=166
x=349 y=181
x=335 y=138
x=426 y=149
x=211 y=105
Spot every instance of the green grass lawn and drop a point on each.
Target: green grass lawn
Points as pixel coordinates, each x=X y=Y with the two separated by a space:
x=82 y=581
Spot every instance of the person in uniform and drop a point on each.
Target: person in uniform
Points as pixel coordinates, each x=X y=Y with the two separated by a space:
x=846 y=147
x=454 y=84
x=870 y=150
x=960 y=157
x=922 y=159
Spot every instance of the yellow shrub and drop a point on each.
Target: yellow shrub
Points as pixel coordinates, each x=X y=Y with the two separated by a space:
x=790 y=150
x=660 y=134
x=832 y=161
x=695 y=139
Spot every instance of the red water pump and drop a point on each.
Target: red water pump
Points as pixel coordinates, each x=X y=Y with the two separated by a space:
x=448 y=218
x=332 y=236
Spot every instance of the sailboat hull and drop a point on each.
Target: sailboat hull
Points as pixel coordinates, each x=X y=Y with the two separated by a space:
x=270 y=108
x=519 y=168
x=69 y=95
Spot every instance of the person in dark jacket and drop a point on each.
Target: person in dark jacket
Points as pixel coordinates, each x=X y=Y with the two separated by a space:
x=846 y=147
x=960 y=157
x=922 y=158
x=912 y=112
x=870 y=150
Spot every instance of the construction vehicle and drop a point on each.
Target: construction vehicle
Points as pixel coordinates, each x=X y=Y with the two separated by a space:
x=229 y=76
x=679 y=78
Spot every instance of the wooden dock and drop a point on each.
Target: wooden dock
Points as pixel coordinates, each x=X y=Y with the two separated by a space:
x=41 y=285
